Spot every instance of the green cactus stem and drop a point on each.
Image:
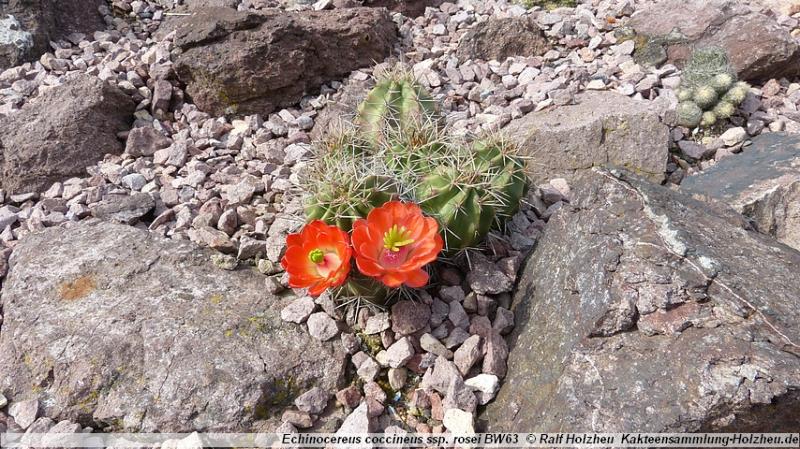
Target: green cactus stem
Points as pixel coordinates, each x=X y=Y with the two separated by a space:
x=394 y=104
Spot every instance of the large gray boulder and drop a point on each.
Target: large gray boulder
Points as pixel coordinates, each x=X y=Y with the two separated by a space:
x=111 y=325
x=644 y=310
x=58 y=134
x=758 y=47
x=243 y=63
x=762 y=183
x=603 y=128
x=27 y=26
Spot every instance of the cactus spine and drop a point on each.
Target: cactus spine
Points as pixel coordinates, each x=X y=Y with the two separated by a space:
x=708 y=91
x=474 y=190
x=346 y=182
x=393 y=105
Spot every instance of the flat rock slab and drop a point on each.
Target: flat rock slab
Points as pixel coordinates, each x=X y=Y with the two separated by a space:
x=115 y=327
x=603 y=128
x=58 y=134
x=758 y=47
x=642 y=309
x=237 y=62
x=762 y=183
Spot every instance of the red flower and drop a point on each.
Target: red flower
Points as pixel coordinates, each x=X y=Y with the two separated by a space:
x=395 y=242
x=317 y=258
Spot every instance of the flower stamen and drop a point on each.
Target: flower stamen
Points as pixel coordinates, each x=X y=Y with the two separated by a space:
x=316 y=256
x=397 y=237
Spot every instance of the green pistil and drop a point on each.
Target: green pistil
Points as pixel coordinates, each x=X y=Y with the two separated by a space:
x=316 y=256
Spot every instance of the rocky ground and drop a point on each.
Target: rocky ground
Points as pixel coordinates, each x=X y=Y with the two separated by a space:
x=150 y=128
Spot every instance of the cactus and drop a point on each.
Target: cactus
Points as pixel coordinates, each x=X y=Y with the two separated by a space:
x=709 y=118
x=708 y=90
x=704 y=65
x=705 y=97
x=737 y=93
x=689 y=114
x=724 y=110
x=460 y=203
x=684 y=94
x=394 y=104
x=504 y=171
x=414 y=151
x=474 y=190
x=346 y=182
x=722 y=82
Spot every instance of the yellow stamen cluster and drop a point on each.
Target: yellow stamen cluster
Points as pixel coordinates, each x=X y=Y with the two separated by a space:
x=316 y=256
x=396 y=238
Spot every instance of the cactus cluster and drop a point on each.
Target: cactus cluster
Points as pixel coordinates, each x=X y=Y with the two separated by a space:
x=708 y=91
x=398 y=150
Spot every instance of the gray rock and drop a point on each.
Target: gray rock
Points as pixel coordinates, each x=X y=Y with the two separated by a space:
x=456 y=337
x=460 y=396
x=468 y=354
x=459 y=422
x=458 y=316
x=16 y=43
x=720 y=339
x=485 y=386
x=399 y=353
x=452 y=293
x=144 y=317
x=695 y=150
x=499 y=38
x=763 y=183
x=24 y=412
x=8 y=216
x=162 y=94
x=297 y=419
x=56 y=135
x=357 y=422
x=733 y=136
x=377 y=324
x=409 y=8
x=368 y=369
x=503 y=321
x=397 y=378
x=229 y=56
x=496 y=355
x=439 y=377
x=312 y=401
x=213 y=238
x=32 y=25
x=322 y=327
x=429 y=343
x=134 y=181
x=486 y=277
x=758 y=47
x=409 y=317
x=298 y=310
x=604 y=128
x=124 y=209
x=145 y=141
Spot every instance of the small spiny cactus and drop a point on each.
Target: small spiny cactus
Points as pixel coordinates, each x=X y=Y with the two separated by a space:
x=396 y=103
x=346 y=182
x=708 y=91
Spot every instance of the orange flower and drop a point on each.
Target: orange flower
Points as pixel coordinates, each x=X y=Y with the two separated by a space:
x=395 y=242
x=317 y=258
